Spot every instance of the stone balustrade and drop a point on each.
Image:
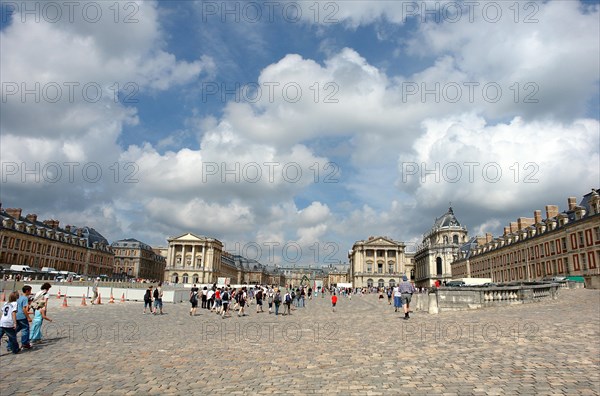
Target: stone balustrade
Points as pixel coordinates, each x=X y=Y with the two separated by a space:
x=464 y=298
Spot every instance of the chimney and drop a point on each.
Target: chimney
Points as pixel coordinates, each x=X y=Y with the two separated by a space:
x=572 y=203
x=32 y=218
x=68 y=228
x=551 y=211
x=506 y=231
x=14 y=212
x=524 y=222
x=488 y=237
x=79 y=232
x=55 y=224
x=481 y=241
x=513 y=226
x=537 y=216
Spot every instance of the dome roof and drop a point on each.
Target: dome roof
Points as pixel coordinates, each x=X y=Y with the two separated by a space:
x=447 y=220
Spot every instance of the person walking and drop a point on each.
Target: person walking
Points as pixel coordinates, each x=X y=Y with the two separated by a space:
x=277 y=301
x=287 y=300
x=158 y=295
x=259 y=298
x=23 y=318
x=270 y=296
x=406 y=291
x=194 y=300
x=242 y=300
x=95 y=291
x=204 y=293
x=333 y=301
x=225 y=298
x=397 y=298
x=148 y=300
x=36 y=325
x=8 y=322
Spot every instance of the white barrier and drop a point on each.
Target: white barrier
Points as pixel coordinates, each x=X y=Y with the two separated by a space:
x=169 y=296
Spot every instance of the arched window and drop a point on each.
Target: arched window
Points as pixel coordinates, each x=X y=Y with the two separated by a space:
x=381 y=283
x=455 y=239
x=175 y=278
x=184 y=278
x=412 y=274
x=438 y=264
x=195 y=278
x=445 y=239
x=380 y=268
x=369 y=282
x=392 y=283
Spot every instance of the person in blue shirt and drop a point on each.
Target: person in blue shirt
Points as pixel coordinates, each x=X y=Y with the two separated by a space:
x=23 y=318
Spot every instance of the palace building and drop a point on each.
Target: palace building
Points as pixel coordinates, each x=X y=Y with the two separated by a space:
x=563 y=244
x=27 y=241
x=378 y=262
x=438 y=250
x=137 y=259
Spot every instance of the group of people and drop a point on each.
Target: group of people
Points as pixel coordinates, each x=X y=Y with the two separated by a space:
x=153 y=299
x=224 y=300
x=16 y=317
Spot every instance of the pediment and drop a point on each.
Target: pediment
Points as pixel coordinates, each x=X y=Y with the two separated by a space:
x=380 y=241
x=189 y=237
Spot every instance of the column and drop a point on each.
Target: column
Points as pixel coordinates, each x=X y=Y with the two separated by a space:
x=194 y=265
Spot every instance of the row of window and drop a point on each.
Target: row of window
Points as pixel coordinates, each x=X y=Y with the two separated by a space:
x=380 y=268
x=380 y=253
x=581 y=262
x=59 y=265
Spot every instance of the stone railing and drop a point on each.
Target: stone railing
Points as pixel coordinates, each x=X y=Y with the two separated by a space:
x=464 y=298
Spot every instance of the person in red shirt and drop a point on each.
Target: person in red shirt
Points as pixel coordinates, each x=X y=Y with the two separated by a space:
x=333 y=301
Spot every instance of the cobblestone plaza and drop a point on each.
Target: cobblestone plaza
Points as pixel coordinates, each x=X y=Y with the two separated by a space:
x=364 y=348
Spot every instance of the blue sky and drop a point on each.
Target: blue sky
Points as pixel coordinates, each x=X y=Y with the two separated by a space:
x=386 y=155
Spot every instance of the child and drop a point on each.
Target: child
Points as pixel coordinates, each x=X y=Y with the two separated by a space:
x=333 y=301
x=8 y=322
x=38 y=318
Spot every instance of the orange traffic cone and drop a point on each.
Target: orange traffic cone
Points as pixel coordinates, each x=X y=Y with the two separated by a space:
x=58 y=295
x=64 y=304
x=3 y=297
x=123 y=298
x=112 y=299
x=83 y=303
x=99 y=299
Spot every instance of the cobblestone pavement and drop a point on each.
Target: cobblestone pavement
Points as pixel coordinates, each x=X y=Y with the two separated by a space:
x=364 y=348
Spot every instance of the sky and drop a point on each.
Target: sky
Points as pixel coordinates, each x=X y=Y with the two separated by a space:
x=291 y=129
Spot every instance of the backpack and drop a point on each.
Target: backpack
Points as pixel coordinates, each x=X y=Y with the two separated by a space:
x=225 y=296
x=277 y=298
x=156 y=293
x=288 y=298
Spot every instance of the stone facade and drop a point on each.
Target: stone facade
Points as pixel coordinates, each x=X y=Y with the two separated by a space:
x=194 y=259
x=378 y=262
x=136 y=259
x=562 y=244
x=27 y=241
x=438 y=250
x=202 y=260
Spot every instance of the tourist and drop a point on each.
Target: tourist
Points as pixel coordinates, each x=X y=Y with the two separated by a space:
x=259 y=298
x=287 y=300
x=204 y=293
x=333 y=301
x=158 y=295
x=301 y=300
x=218 y=301
x=41 y=296
x=95 y=291
x=36 y=326
x=148 y=299
x=8 y=322
x=242 y=301
x=277 y=301
x=407 y=289
x=23 y=318
x=389 y=295
x=310 y=290
x=397 y=298
x=270 y=296
x=210 y=299
x=225 y=297
x=194 y=300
